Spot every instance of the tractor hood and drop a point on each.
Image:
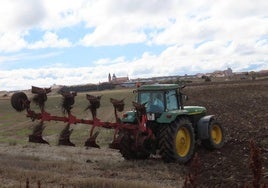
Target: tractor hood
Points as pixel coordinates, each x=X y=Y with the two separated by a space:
x=192 y=110
x=170 y=116
x=167 y=117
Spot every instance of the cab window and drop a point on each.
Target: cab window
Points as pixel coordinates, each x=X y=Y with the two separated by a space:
x=154 y=101
x=172 y=102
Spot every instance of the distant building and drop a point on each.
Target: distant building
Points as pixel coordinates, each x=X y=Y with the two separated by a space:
x=117 y=80
x=228 y=72
x=109 y=78
x=199 y=75
x=129 y=84
x=220 y=74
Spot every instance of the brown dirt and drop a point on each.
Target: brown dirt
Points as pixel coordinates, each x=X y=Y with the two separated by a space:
x=241 y=107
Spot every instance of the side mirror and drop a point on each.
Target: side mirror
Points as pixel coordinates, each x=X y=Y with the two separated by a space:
x=185 y=97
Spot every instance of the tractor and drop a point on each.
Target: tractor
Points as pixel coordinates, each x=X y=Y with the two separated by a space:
x=159 y=123
x=175 y=127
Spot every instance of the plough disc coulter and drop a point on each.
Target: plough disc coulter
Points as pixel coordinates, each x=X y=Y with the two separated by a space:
x=20 y=102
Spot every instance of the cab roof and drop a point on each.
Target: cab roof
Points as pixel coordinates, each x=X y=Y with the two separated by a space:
x=158 y=87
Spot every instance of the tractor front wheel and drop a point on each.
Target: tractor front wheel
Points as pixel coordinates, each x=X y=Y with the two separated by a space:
x=177 y=141
x=216 y=136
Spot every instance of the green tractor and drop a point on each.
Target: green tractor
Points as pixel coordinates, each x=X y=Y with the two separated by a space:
x=175 y=127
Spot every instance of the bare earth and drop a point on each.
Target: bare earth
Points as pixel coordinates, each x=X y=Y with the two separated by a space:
x=241 y=107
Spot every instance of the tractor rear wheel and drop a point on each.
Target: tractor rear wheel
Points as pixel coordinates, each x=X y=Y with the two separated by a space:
x=177 y=141
x=216 y=136
x=129 y=150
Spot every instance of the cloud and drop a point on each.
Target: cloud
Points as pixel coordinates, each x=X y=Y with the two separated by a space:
x=107 y=61
x=45 y=77
x=13 y=42
x=50 y=40
x=20 y=15
x=19 y=18
x=124 y=22
x=6 y=59
x=16 y=61
x=62 y=13
x=239 y=9
x=113 y=33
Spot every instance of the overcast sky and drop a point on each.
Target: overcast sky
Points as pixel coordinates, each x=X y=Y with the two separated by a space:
x=69 y=42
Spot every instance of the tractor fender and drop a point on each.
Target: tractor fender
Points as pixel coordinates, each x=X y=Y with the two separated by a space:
x=202 y=127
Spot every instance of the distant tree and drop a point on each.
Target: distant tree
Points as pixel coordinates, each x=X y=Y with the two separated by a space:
x=206 y=78
x=167 y=82
x=252 y=75
x=182 y=82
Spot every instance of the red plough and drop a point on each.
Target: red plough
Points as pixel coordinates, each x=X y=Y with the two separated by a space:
x=20 y=102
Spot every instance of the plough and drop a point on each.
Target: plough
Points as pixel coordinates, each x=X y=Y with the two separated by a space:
x=21 y=102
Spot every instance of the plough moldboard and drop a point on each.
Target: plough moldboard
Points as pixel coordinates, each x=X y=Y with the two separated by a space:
x=20 y=102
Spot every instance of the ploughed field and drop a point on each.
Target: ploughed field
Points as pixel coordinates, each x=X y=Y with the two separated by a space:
x=241 y=107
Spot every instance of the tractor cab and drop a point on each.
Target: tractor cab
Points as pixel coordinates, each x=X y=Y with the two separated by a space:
x=158 y=98
x=158 y=101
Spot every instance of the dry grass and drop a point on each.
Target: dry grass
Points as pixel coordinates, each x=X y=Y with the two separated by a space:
x=54 y=166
